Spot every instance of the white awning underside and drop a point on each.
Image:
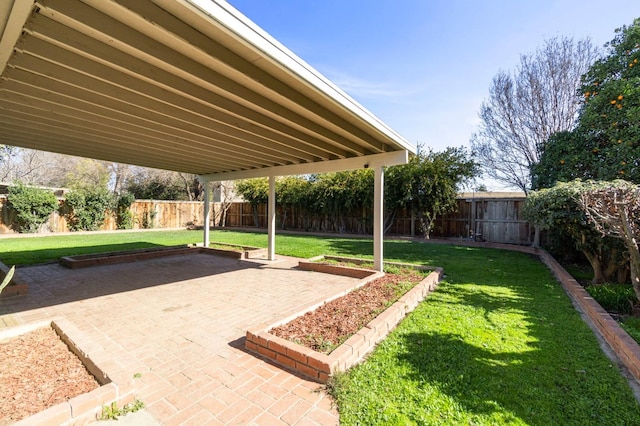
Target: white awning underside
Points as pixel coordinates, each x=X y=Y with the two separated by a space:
x=190 y=86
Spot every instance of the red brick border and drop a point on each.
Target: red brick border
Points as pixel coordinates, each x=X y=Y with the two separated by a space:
x=84 y=408
x=319 y=366
x=623 y=345
x=94 y=259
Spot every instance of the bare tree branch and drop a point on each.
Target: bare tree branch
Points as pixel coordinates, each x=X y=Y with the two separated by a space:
x=526 y=107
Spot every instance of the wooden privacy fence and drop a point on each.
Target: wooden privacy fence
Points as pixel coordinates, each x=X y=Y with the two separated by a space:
x=146 y=214
x=494 y=217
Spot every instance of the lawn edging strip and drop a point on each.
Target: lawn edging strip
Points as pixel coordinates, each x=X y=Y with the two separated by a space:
x=319 y=366
x=623 y=345
x=83 y=408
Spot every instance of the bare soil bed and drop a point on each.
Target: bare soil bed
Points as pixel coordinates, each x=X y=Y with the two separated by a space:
x=328 y=326
x=38 y=371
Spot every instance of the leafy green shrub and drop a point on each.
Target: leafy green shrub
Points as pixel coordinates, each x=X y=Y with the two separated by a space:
x=124 y=217
x=148 y=219
x=112 y=412
x=88 y=208
x=33 y=206
x=632 y=326
x=617 y=298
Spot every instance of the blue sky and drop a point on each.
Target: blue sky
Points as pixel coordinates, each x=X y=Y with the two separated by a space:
x=425 y=66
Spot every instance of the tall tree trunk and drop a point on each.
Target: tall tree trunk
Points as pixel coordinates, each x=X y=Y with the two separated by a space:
x=283 y=223
x=634 y=253
x=256 y=222
x=413 y=223
x=536 y=236
x=596 y=265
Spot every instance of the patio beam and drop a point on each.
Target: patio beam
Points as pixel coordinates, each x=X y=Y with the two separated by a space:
x=11 y=30
x=368 y=161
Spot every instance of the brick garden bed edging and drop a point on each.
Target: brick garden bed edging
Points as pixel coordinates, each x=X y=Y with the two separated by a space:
x=622 y=344
x=319 y=366
x=125 y=256
x=83 y=408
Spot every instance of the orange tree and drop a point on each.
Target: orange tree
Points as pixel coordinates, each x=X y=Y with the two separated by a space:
x=606 y=143
x=614 y=210
x=559 y=210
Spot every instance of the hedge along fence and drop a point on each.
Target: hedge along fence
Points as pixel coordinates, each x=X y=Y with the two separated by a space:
x=495 y=217
x=490 y=216
x=146 y=214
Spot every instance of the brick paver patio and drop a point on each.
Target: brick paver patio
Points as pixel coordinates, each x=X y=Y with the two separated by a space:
x=178 y=323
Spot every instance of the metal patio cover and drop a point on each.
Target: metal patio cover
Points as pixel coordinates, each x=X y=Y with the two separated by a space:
x=183 y=85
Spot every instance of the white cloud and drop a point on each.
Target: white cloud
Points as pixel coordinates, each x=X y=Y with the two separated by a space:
x=366 y=89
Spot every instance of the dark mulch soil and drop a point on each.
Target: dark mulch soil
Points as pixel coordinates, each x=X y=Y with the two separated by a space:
x=37 y=370
x=332 y=323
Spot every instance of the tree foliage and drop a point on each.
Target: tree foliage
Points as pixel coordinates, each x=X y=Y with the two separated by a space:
x=427 y=186
x=559 y=209
x=152 y=184
x=88 y=208
x=124 y=216
x=614 y=210
x=526 y=107
x=87 y=175
x=255 y=192
x=293 y=193
x=605 y=145
x=33 y=206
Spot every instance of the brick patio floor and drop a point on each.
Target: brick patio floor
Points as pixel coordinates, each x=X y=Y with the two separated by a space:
x=179 y=323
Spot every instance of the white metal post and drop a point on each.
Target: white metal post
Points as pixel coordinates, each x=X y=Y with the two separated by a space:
x=207 y=212
x=271 y=212
x=378 y=222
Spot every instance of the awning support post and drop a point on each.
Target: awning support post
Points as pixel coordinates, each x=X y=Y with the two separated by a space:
x=207 y=213
x=378 y=214
x=271 y=213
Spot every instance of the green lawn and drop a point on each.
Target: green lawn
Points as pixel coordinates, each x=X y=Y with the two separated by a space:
x=498 y=343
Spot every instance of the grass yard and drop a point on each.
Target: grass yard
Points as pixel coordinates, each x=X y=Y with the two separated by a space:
x=498 y=343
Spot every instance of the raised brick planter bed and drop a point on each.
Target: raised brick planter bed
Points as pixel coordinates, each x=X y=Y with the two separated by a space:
x=16 y=287
x=239 y=252
x=84 y=408
x=94 y=259
x=319 y=366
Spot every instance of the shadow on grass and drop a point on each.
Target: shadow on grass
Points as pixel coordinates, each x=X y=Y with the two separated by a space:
x=499 y=340
x=555 y=374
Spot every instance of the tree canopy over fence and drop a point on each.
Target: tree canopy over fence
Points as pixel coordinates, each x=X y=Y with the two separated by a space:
x=605 y=145
x=426 y=186
x=595 y=216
